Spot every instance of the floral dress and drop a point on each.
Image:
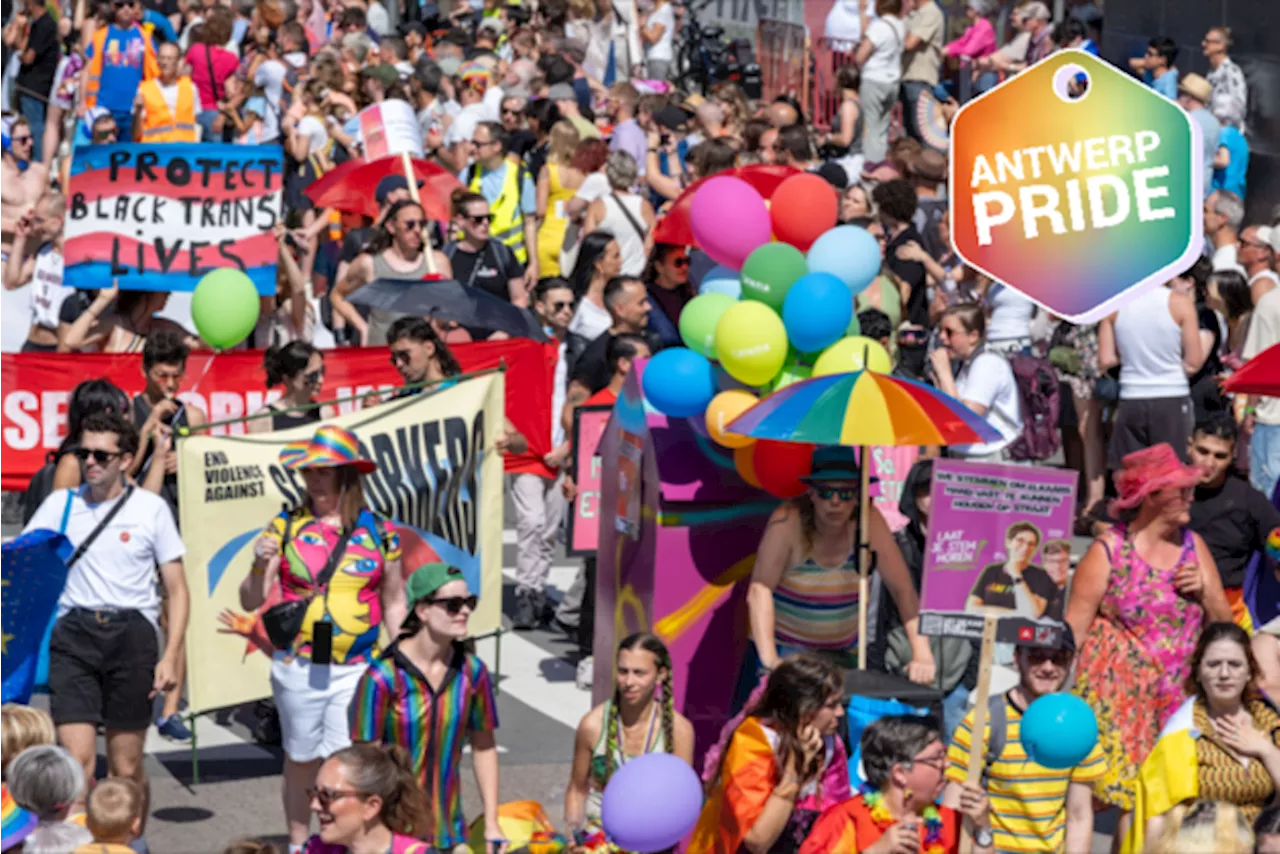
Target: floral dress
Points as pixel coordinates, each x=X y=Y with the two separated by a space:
x=1134 y=661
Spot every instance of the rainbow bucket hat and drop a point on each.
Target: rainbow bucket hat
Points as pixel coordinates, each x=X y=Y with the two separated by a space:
x=331 y=446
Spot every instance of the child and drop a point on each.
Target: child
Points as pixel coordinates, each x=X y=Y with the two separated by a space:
x=115 y=817
x=22 y=727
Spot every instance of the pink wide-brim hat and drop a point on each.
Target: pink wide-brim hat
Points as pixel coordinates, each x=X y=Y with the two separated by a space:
x=1146 y=471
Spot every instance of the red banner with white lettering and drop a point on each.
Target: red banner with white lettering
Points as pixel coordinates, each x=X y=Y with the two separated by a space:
x=37 y=387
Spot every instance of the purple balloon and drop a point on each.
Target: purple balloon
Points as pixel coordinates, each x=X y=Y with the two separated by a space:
x=729 y=219
x=651 y=803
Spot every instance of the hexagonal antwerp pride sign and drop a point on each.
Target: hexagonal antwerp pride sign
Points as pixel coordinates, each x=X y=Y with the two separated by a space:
x=1076 y=185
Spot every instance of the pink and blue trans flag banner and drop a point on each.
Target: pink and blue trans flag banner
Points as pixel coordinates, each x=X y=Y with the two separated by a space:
x=34 y=573
x=159 y=217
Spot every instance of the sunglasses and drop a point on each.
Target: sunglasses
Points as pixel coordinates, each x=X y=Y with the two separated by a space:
x=561 y=306
x=412 y=224
x=326 y=797
x=455 y=604
x=315 y=377
x=844 y=494
x=511 y=112
x=99 y=457
x=680 y=262
x=482 y=219
x=105 y=134
x=17 y=139
x=1060 y=657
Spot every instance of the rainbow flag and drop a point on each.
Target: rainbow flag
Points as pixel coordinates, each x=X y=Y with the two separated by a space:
x=15 y=822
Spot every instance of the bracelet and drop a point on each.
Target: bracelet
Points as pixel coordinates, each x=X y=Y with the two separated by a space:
x=1251 y=410
x=256 y=570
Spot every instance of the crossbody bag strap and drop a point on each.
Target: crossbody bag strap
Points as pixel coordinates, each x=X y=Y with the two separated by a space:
x=631 y=219
x=213 y=81
x=331 y=565
x=106 y=520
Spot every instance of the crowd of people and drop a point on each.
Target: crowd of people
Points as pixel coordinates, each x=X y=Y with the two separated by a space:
x=569 y=144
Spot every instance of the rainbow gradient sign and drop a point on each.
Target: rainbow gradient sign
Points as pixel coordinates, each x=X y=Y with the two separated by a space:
x=1077 y=186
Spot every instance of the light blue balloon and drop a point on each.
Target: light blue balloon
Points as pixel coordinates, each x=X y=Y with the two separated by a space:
x=721 y=280
x=1059 y=731
x=679 y=382
x=849 y=253
x=817 y=312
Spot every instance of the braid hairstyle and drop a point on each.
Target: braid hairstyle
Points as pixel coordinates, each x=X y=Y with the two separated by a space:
x=668 y=713
x=613 y=727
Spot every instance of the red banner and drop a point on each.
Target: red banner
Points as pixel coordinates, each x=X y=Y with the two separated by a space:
x=37 y=386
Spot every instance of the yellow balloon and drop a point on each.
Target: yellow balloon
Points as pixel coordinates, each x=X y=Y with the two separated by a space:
x=751 y=342
x=853 y=354
x=721 y=412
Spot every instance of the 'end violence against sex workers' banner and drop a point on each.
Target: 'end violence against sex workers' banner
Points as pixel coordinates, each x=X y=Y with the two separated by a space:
x=159 y=217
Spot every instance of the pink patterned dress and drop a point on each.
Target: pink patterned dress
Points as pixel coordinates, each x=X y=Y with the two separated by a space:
x=1134 y=661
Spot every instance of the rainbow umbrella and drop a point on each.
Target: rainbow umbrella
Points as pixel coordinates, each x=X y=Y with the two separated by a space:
x=863 y=408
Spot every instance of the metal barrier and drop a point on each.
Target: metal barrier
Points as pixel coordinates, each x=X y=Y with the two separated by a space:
x=783 y=53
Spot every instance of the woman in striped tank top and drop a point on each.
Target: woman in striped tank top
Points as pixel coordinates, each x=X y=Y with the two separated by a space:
x=804 y=588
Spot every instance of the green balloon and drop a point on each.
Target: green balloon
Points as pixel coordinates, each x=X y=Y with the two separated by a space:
x=224 y=308
x=698 y=322
x=770 y=271
x=792 y=372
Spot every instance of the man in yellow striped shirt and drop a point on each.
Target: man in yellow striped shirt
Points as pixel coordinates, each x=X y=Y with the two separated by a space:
x=1033 y=808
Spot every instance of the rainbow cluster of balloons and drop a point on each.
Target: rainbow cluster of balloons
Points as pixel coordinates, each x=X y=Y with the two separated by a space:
x=778 y=309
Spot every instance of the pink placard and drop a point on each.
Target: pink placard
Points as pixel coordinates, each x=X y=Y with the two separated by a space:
x=584 y=521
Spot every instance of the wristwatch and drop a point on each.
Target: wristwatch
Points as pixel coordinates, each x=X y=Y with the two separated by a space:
x=983 y=837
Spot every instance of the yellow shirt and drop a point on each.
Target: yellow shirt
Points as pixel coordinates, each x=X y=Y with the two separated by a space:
x=103 y=848
x=1028 y=801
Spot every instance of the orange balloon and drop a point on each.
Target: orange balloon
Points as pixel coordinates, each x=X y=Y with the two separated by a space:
x=744 y=462
x=721 y=412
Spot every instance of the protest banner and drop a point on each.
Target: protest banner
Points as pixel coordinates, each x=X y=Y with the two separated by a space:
x=999 y=544
x=438 y=478
x=36 y=388
x=158 y=217
x=589 y=423
x=390 y=127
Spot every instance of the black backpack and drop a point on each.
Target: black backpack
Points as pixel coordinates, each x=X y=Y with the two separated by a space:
x=39 y=488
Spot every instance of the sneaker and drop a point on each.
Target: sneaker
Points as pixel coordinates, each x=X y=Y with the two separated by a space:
x=173 y=729
x=586 y=668
x=526 y=615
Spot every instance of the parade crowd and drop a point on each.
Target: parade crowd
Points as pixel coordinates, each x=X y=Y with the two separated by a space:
x=564 y=142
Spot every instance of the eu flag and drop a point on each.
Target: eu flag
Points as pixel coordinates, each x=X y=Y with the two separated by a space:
x=34 y=571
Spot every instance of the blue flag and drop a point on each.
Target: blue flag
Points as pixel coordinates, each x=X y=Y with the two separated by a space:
x=33 y=575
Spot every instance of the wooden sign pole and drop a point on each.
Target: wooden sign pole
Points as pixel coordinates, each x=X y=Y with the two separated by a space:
x=978 y=740
x=407 y=162
x=864 y=554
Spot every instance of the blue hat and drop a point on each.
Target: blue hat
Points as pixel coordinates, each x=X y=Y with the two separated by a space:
x=834 y=463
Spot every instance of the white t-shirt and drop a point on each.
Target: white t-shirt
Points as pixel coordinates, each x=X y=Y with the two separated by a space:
x=844 y=24
x=594 y=186
x=378 y=19
x=314 y=129
x=270 y=77
x=1264 y=331
x=1224 y=258
x=987 y=379
x=590 y=320
x=662 y=49
x=119 y=569
x=887 y=36
x=1010 y=314
x=47 y=289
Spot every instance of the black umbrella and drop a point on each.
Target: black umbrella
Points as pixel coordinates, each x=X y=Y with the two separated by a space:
x=450 y=300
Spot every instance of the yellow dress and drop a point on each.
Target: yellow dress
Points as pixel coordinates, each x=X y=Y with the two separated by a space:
x=554 y=224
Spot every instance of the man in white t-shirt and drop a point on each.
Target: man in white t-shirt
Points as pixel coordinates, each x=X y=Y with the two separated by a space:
x=105 y=664
x=1262 y=414
x=1257 y=255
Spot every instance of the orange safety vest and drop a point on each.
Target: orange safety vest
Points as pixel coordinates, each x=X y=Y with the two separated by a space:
x=161 y=125
x=150 y=67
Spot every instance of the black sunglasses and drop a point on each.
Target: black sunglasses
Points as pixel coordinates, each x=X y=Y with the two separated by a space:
x=1059 y=657
x=326 y=797
x=455 y=604
x=315 y=377
x=561 y=306
x=482 y=218
x=99 y=457
x=827 y=493
x=680 y=262
x=412 y=224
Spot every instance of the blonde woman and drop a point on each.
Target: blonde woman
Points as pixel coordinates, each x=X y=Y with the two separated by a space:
x=558 y=182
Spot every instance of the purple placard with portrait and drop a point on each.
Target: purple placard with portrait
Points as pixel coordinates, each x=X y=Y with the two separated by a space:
x=999 y=542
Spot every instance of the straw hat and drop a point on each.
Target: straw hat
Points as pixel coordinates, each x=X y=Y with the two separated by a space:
x=1196 y=86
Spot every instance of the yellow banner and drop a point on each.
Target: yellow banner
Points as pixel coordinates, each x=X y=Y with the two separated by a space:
x=439 y=479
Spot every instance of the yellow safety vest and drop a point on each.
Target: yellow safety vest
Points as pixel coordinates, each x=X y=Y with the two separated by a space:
x=161 y=125
x=508 y=217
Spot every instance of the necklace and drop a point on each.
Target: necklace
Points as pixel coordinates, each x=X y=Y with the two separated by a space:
x=880 y=814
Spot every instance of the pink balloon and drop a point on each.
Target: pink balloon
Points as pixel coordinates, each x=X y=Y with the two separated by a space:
x=729 y=220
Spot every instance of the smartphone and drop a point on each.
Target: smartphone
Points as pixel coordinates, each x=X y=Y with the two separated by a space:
x=322 y=643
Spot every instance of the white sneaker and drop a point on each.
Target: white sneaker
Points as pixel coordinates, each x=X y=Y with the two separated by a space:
x=586 y=667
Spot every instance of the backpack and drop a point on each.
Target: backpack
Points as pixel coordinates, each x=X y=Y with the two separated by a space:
x=997 y=735
x=1040 y=400
x=39 y=487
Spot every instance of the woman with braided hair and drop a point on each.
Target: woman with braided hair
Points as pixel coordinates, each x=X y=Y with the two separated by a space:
x=639 y=718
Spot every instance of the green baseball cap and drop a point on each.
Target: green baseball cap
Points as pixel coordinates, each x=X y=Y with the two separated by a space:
x=429 y=578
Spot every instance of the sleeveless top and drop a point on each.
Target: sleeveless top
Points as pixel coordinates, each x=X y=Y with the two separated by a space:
x=1150 y=348
x=654 y=742
x=816 y=607
x=855 y=144
x=380 y=319
x=630 y=236
x=169 y=490
x=283 y=419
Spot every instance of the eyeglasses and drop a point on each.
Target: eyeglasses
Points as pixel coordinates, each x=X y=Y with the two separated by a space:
x=482 y=219
x=19 y=139
x=399 y=356
x=1060 y=657
x=1256 y=244
x=326 y=797
x=315 y=377
x=845 y=494
x=412 y=224
x=937 y=763
x=507 y=112
x=455 y=604
x=99 y=457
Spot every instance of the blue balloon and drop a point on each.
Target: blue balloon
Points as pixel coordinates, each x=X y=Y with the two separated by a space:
x=1058 y=731
x=849 y=253
x=679 y=382
x=651 y=803
x=817 y=312
x=721 y=280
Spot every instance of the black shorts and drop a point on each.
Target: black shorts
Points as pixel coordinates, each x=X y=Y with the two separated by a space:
x=102 y=666
x=1142 y=423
